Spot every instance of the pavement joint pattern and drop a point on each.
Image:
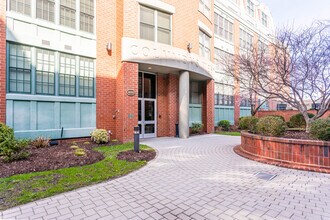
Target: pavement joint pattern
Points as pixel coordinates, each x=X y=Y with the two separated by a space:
x=196 y=178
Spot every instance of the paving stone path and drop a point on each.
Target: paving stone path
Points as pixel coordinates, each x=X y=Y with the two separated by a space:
x=196 y=178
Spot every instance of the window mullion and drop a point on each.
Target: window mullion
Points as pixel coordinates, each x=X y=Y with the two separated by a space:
x=156 y=25
x=33 y=70
x=77 y=74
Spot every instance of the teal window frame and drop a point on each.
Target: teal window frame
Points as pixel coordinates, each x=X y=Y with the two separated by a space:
x=45 y=72
x=25 y=68
x=86 y=77
x=67 y=75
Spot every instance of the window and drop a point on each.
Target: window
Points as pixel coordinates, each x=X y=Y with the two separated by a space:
x=195 y=93
x=87 y=15
x=19 y=68
x=67 y=75
x=45 y=9
x=245 y=39
x=86 y=77
x=250 y=8
x=21 y=6
x=264 y=19
x=45 y=72
x=223 y=27
x=204 y=45
x=204 y=7
x=68 y=13
x=223 y=94
x=219 y=57
x=155 y=25
x=262 y=46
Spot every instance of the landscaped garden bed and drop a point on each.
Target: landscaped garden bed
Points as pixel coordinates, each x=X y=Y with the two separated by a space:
x=269 y=140
x=32 y=170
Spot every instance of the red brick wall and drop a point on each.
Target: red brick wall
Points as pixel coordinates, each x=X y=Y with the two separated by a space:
x=3 y=61
x=127 y=106
x=286 y=114
x=173 y=103
x=305 y=152
x=162 y=106
x=208 y=107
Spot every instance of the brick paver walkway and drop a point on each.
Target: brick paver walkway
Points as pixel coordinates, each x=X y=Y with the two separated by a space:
x=196 y=178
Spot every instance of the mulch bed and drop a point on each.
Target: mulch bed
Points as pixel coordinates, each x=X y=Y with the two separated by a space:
x=132 y=156
x=51 y=158
x=297 y=135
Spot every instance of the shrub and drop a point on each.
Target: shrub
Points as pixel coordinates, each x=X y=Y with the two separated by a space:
x=80 y=152
x=40 y=142
x=248 y=123
x=298 y=121
x=196 y=128
x=14 y=149
x=100 y=136
x=10 y=148
x=270 y=126
x=278 y=116
x=320 y=129
x=74 y=147
x=224 y=124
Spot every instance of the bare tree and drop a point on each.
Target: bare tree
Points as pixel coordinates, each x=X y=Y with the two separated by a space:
x=295 y=70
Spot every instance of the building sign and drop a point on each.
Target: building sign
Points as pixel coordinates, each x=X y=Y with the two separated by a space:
x=143 y=51
x=130 y=92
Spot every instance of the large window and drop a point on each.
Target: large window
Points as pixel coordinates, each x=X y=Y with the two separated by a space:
x=68 y=13
x=87 y=15
x=264 y=19
x=204 y=45
x=45 y=9
x=21 y=6
x=155 y=25
x=250 y=8
x=223 y=94
x=196 y=93
x=67 y=75
x=221 y=57
x=19 y=68
x=205 y=7
x=223 y=27
x=245 y=39
x=45 y=72
x=86 y=77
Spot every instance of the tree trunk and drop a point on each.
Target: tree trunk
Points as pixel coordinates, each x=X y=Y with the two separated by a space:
x=308 y=125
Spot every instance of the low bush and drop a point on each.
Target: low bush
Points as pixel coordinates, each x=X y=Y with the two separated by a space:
x=248 y=123
x=196 y=128
x=270 y=126
x=100 y=136
x=40 y=142
x=10 y=148
x=298 y=121
x=320 y=129
x=80 y=152
x=224 y=124
x=278 y=116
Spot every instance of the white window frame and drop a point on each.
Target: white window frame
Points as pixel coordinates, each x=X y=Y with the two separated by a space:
x=156 y=24
x=202 y=44
x=250 y=8
x=264 y=19
x=205 y=7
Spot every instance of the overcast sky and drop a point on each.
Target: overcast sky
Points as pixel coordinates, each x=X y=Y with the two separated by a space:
x=301 y=12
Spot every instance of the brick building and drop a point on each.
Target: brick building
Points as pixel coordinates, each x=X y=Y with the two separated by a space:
x=70 y=66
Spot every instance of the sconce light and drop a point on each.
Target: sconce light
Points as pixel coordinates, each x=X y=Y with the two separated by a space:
x=109 y=48
x=189 y=47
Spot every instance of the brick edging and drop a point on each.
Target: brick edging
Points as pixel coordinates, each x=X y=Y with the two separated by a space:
x=238 y=150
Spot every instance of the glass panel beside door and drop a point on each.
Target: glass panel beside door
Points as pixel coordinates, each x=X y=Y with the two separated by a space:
x=147 y=105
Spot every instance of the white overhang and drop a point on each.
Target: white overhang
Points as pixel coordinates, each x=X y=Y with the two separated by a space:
x=162 y=6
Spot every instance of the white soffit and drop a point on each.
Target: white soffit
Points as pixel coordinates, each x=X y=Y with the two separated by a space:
x=157 y=4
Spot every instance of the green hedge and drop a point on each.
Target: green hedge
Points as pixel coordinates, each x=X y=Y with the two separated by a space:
x=320 y=129
x=298 y=121
x=270 y=126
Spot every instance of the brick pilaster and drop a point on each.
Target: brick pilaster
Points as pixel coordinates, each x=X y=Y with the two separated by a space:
x=209 y=106
x=3 y=61
x=173 y=103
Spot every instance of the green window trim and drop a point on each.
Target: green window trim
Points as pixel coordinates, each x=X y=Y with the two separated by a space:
x=67 y=85
x=45 y=72
x=20 y=71
x=86 y=86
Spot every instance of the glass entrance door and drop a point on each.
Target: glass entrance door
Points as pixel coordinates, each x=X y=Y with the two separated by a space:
x=147 y=105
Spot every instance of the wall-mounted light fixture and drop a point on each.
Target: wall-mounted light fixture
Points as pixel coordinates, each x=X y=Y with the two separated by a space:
x=189 y=47
x=109 y=48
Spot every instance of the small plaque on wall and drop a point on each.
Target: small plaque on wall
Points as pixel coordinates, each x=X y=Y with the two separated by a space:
x=130 y=92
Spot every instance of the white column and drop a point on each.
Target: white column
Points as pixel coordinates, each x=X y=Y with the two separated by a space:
x=184 y=104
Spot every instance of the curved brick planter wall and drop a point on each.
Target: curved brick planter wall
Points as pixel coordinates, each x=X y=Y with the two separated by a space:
x=305 y=154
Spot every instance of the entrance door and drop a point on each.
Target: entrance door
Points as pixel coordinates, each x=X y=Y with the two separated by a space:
x=147 y=105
